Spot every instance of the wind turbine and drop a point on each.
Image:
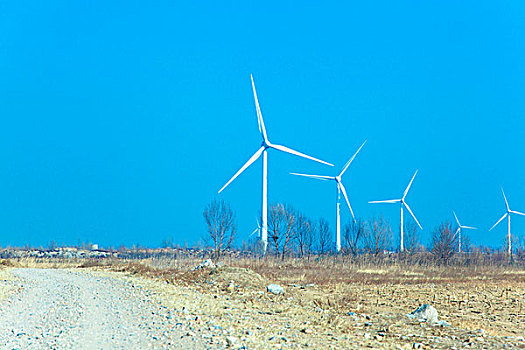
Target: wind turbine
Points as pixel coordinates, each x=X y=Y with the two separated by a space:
x=257 y=230
x=507 y=214
x=340 y=188
x=266 y=144
x=458 y=231
x=402 y=204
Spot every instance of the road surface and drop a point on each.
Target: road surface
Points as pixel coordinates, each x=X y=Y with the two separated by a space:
x=77 y=309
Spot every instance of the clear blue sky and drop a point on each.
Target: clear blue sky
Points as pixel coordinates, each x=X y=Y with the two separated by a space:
x=121 y=120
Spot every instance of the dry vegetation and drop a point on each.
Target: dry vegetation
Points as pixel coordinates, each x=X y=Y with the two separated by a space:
x=332 y=302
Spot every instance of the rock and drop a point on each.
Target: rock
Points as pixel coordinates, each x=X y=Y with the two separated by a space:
x=424 y=313
x=231 y=341
x=307 y=331
x=417 y=346
x=231 y=287
x=366 y=335
x=206 y=264
x=275 y=289
x=427 y=313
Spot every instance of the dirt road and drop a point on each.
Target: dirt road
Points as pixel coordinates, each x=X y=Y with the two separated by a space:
x=74 y=309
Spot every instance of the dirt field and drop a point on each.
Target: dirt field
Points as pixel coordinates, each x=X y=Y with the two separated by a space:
x=337 y=307
x=367 y=307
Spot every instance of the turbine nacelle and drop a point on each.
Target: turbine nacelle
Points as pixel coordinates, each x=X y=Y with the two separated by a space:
x=402 y=200
x=262 y=151
x=507 y=213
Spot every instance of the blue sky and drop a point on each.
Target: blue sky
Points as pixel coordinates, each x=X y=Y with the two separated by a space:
x=121 y=120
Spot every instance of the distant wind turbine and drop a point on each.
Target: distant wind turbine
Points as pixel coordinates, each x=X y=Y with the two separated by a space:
x=507 y=214
x=340 y=188
x=402 y=204
x=266 y=144
x=458 y=231
x=257 y=230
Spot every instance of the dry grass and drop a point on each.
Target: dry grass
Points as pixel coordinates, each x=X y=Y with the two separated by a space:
x=320 y=293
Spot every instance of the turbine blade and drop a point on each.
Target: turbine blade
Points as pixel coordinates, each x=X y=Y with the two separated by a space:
x=459 y=228
x=503 y=217
x=410 y=211
x=317 y=177
x=291 y=151
x=260 y=120
x=457 y=220
x=505 y=197
x=387 y=201
x=410 y=184
x=251 y=234
x=351 y=159
x=247 y=164
x=469 y=227
x=517 y=212
x=346 y=197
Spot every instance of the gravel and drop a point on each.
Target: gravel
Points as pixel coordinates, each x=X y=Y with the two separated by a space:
x=74 y=309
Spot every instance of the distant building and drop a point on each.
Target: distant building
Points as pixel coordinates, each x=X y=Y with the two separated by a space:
x=94 y=247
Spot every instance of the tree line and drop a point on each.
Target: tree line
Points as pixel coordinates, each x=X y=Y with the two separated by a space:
x=292 y=234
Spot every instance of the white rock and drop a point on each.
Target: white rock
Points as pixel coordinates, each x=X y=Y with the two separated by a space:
x=231 y=341
x=425 y=313
x=206 y=264
x=275 y=289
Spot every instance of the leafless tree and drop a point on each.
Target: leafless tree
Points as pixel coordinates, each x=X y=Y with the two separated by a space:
x=220 y=220
x=444 y=242
x=353 y=234
x=325 y=236
x=304 y=235
x=281 y=228
x=411 y=238
x=378 y=236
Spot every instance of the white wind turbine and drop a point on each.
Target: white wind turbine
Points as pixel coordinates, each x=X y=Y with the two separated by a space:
x=458 y=231
x=257 y=230
x=402 y=204
x=340 y=188
x=266 y=144
x=507 y=214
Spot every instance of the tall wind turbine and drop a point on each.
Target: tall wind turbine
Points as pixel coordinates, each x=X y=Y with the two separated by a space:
x=507 y=214
x=458 y=231
x=402 y=204
x=266 y=144
x=340 y=188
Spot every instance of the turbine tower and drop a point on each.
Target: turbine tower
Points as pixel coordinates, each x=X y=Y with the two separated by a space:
x=458 y=231
x=266 y=144
x=507 y=214
x=340 y=188
x=402 y=204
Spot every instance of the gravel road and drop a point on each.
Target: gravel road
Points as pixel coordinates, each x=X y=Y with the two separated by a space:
x=72 y=309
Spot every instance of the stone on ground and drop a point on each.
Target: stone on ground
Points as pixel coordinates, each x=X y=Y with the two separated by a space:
x=275 y=289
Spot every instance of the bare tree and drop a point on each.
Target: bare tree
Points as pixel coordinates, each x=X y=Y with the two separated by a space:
x=275 y=226
x=378 y=236
x=353 y=234
x=220 y=220
x=281 y=228
x=325 y=236
x=304 y=235
x=411 y=238
x=444 y=244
